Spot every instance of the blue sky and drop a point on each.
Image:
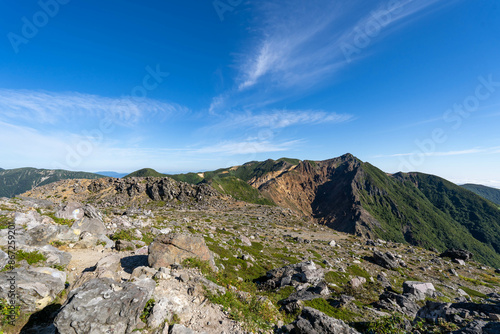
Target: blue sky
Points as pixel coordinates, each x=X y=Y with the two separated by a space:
x=197 y=85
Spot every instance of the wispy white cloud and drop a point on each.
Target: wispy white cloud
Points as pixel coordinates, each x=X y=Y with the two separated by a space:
x=278 y=119
x=49 y=107
x=302 y=41
x=247 y=147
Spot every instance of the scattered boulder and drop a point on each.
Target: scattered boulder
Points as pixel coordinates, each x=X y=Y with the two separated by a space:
x=386 y=260
x=245 y=241
x=312 y=321
x=392 y=301
x=170 y=249
x=332 y=243
x=294 y=274
x=36 y=287
x=143 y=272
x=419 y=289
x=384 y=281
x=104 y=306
x=357 y=282
x=124 y=245
x=309 y=293
x=457 y=254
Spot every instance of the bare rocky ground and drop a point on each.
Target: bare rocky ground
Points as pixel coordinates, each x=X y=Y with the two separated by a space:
x=89 y=267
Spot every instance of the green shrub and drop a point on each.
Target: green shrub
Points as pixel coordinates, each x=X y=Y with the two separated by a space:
x=61 y=221
x=6 y=311
x=255 y=314
x=147 y=310
x=395 y=324
x=30 y=257
x=324 y=306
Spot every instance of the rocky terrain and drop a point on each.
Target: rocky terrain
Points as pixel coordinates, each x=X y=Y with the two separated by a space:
x=151 y=255
x=16 y=181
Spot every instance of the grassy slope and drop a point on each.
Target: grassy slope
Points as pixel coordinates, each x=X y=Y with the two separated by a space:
x=16 y=181
x=491 y=194
x=436 y=214
x=239 y=190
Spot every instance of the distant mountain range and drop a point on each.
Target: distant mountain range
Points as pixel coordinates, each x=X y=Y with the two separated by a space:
x=112 y=174
x=16 y=181
x=352 y=196
x=491 y=194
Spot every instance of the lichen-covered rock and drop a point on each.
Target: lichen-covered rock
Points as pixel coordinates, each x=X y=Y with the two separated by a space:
x=169 y=249
x=36 y=287
x=71 y=210
x=104 y=306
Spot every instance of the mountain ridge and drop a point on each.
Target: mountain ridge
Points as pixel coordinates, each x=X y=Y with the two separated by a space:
x=489 y=193
x=19 y=180
x=349 y=195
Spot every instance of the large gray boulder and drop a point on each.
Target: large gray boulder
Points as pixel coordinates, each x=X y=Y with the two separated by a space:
x=91 y=225
x=72 y=210
x=104 y=306
x=420 y=290
x=457 y=254
x=36 y=287
x=386 y=260
x=45 y=233
x=53 y=255
x=169 y=249
x=395 y=302
x=312 y=321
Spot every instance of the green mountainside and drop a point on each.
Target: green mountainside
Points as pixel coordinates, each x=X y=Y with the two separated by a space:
x=491 y=194
x=239 y=190
x=428 y=211
x=17 y=181
x=145 y=172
